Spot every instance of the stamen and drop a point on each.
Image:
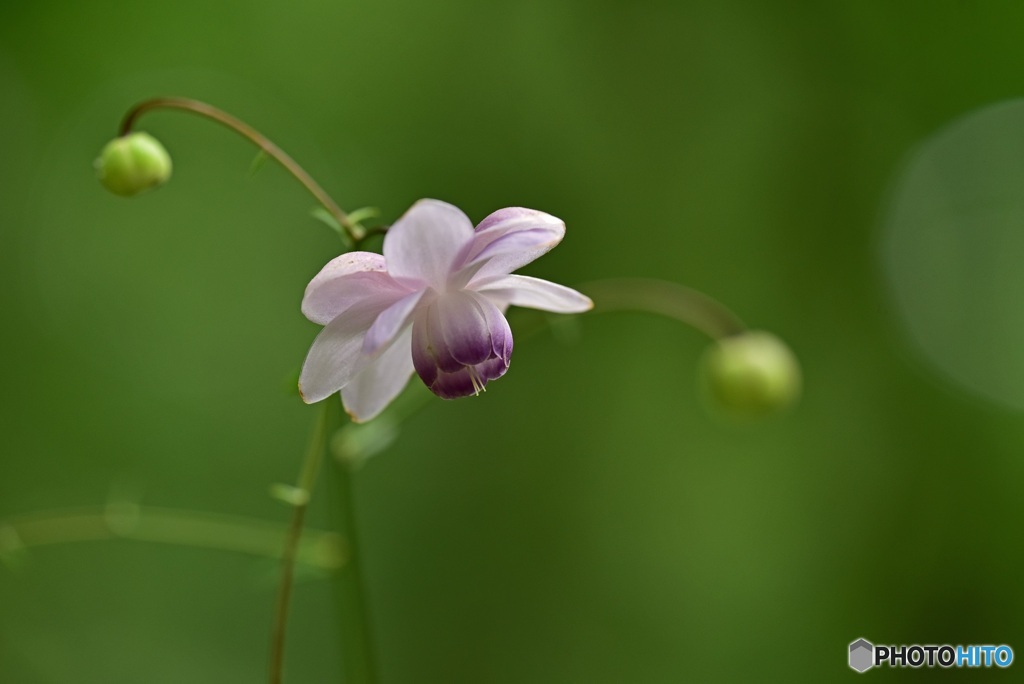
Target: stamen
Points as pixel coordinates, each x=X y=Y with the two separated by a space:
x=478 y=384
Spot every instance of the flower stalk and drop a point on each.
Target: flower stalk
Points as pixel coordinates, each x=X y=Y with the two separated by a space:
x=358 y=658
x=306 y=481
x=684 y=304
x=353 y=230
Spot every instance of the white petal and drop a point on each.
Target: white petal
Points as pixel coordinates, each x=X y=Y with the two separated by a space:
x=391 y=321
x=511 y=238
x=346 y=281
x=381 y=381
x=336 y=355
x=422 y=246
x=535 y=293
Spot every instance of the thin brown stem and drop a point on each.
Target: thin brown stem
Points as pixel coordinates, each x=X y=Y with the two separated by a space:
x=254 y=136
x=307 y=478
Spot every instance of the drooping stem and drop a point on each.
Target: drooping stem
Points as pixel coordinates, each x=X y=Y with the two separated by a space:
x=307 y=478
x=661 y=297
x=356 y=634
x=254 y=136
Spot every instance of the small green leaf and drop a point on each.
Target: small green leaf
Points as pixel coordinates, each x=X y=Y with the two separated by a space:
x=293 y=496
x=363 y=213
x=258 y=162
x=325 y=217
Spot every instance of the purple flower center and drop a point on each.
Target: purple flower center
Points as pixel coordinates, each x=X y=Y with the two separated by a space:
x=460 y=341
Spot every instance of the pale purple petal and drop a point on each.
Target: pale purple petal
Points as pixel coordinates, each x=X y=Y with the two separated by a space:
x=535 y=293
x=497 y=325
x=391 y=321
x=493 y=369
x=380 y=381
x=508 y=239
x=453 y=385
x=337 y=354
x=348 y=280
x=459 y=342
x=428 y=345
x=460 y=384
x=422 y=246
x=464 y=328
x=424 y=354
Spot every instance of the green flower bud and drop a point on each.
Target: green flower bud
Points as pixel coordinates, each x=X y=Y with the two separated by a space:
x=132 y=164
x=752 y=374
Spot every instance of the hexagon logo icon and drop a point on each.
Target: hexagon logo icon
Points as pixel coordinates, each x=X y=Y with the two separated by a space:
x=862 y=655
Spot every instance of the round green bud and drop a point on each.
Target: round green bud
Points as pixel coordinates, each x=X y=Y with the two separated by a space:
x=752 y=374
x=132 y=164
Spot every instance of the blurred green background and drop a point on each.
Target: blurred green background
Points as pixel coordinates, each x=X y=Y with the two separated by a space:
x=588 y=520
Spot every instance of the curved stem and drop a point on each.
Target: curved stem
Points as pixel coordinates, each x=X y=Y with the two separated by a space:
x=645 y=295
x=254 y=136
x=307 y=478
x=661 y=297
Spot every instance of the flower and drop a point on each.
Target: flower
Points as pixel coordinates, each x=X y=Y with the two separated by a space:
x=433 y=303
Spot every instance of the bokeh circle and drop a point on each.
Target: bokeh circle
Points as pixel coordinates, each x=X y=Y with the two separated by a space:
x=953 y=251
